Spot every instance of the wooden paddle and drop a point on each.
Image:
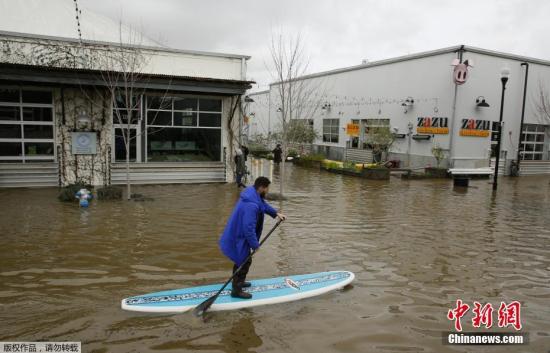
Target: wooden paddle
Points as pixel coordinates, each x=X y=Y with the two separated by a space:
x=205 y=305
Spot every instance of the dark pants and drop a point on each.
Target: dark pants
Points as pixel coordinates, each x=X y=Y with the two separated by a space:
x=239 y=179
x=241 y=276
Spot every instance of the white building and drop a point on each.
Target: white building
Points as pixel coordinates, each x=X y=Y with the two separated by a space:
x=185 y=121
x=417 y=98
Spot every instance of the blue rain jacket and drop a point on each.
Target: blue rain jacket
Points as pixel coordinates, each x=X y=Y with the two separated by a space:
x=244 y=227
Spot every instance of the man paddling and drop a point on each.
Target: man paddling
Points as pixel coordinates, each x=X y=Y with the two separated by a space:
x=243 y=230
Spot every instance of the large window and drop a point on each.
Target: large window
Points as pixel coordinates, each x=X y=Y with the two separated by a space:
x=331 y=130
x=180 y=129
x=127 y=124
x=532 y=142
x=26 y=125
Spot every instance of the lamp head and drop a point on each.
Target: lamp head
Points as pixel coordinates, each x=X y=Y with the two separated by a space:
x=83 y=120
x=504 y=74
x=480 y=102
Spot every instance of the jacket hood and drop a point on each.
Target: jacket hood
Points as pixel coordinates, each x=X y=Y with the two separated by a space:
x=251 y=195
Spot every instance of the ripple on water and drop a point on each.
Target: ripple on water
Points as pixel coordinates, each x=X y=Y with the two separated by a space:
x=415 y=247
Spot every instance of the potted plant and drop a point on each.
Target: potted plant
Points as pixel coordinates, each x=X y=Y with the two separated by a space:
x=350 y=168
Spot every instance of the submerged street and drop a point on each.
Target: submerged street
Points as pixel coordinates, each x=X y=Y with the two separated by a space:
x=414 y=246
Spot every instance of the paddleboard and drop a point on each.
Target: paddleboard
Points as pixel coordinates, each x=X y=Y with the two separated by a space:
x=264 y=291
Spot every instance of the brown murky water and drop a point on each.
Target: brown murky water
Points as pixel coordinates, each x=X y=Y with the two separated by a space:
x=415 y=247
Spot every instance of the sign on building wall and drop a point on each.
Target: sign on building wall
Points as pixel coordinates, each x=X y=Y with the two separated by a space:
x=84 y=143
x=432 y=125
x=352 y=130
x=476 y=128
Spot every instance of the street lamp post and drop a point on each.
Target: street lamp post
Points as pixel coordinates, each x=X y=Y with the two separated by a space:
x=504 y=75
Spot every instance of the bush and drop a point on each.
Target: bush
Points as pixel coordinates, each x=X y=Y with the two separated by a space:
x=67 y=193
x=318 y=157
x=260 y=153
x=351 y=166
x=109 y=193
x=332 y=165
x=292 y=153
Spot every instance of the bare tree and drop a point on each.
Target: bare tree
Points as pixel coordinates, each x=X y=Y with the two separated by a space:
x=542 y=103
x=381 y=139
x=122 y=72
x=295 y=96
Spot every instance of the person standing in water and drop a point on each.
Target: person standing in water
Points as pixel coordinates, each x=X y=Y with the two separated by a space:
x=243 y=230
x=240 y=167
x=277 y=154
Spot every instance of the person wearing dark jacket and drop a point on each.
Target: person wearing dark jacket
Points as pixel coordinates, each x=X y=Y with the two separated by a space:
x=277 y=154
x=240 y=167
x=243 y=230
x=246 y=151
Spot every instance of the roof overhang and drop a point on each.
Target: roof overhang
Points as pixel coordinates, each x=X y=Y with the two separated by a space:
x=453 y=49
x=52 y=76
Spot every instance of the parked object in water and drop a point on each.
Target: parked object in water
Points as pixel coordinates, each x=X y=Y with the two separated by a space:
x=83 y=196
x=462 y=176
x=265 y=291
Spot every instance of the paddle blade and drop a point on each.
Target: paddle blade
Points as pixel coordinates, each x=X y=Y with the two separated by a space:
x=204 y=306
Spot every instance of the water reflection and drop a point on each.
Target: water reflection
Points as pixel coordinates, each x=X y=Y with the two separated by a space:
x=415 y=246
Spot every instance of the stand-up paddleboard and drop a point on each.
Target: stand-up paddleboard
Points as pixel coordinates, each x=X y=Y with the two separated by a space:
x=264 y=291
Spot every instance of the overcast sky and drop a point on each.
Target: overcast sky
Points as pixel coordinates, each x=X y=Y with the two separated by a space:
x=337 y=33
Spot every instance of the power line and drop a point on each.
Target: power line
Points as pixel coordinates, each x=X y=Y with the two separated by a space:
x=78 y=15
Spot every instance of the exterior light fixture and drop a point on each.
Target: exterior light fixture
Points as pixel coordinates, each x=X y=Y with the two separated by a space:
x=279 y=110
x=252 y=114
x=247 y=99
x=421 y=137
x=408 y=102
x=410 y=127
x=326 y=106
x=504 y=76
x=83 y=120
x=480 y=102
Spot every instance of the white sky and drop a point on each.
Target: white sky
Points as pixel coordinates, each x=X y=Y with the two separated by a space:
x=337 y=33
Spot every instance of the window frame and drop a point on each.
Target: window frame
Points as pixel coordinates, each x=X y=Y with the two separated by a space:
x=173 y=111
x=334 y=137
x=526 y=134
x=24 y=157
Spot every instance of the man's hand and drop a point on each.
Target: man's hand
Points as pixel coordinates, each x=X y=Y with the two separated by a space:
x=281 y=216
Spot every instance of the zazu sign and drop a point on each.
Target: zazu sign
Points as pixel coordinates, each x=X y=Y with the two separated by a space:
x=352 y=130
x=432 y=125
x=477 y=128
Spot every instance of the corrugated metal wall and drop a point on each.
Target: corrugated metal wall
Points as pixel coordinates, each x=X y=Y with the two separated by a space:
x=29 y=175
x=534 y=167
x=358 y=155
x=169 y=173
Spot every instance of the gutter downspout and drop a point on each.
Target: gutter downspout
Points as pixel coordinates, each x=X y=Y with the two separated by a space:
x=453 y=114
x=269 y=112
x=526 y=64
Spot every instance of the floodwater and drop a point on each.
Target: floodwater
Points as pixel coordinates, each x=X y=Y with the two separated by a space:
x=415 y=247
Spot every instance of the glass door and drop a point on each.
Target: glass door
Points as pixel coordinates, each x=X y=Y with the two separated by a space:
x=119 y=150
x=127 y=125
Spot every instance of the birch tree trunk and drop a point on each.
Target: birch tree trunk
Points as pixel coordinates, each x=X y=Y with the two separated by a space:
x=128 y=191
